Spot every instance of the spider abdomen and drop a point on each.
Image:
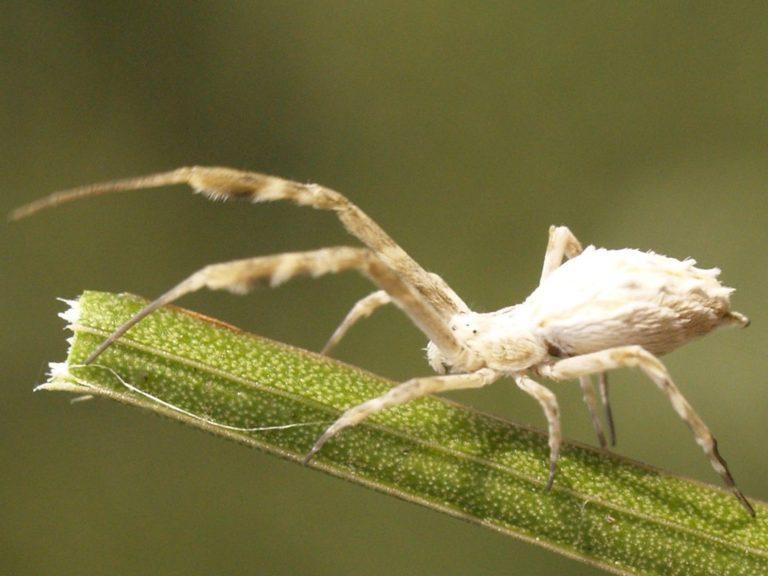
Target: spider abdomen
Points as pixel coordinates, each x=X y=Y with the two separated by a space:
x=606 y=298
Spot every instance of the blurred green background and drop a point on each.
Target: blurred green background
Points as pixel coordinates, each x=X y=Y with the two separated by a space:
x=465 y=129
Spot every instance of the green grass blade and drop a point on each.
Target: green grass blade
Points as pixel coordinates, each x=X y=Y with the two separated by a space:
x=605 y=510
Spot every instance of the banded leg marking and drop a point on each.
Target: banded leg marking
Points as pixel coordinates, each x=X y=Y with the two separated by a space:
x=636 y=356
x=239 y=276
x=220 y=183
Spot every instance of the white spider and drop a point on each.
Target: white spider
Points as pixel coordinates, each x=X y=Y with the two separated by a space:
x=600 y=310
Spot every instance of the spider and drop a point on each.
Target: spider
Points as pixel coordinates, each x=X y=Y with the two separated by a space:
x=598 y=311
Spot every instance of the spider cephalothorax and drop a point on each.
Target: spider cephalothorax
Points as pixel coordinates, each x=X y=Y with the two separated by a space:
x=598 y=311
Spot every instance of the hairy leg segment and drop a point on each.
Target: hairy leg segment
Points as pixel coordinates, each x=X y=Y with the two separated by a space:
x=636 y=356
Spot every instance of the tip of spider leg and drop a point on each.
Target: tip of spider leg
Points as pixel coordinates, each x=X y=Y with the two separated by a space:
x=315 y=449
x=96 y=353
x=551 y=479
x=601 y=440
x=745 y=503
x=611 y=427
x=330 y=345
x=308 y=458
x=319 y=444
x=729 y=481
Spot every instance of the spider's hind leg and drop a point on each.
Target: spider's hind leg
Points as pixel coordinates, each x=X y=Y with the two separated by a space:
x=636 y=356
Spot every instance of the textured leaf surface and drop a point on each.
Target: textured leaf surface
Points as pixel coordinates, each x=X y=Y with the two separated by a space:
x=608 y=511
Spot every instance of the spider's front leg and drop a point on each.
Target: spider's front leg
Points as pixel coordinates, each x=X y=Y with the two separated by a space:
x=425 y=297
x=362 y=309
x=402 y=394
x=636 y=356
x=239 y=276
x=220 y=183
x=369 y=304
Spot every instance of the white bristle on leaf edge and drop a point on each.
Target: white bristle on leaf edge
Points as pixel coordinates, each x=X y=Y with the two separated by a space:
x=60 y=370
x=72 y=314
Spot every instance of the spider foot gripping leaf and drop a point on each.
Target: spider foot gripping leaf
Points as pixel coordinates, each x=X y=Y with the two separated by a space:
x=598 y=311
